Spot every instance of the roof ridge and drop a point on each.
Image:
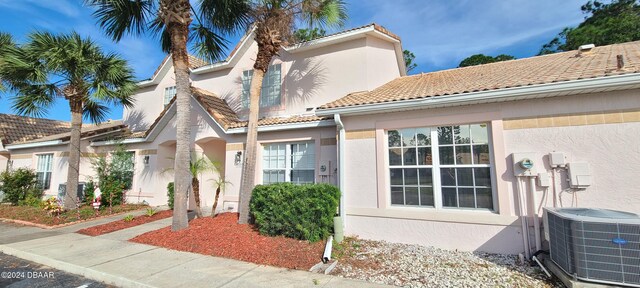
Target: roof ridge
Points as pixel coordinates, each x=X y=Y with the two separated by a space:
x=575 y=51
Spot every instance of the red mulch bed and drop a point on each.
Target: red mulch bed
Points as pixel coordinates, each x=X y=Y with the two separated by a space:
x=121 y=224
x=222 y=236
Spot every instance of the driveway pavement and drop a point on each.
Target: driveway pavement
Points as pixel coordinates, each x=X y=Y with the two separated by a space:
x=113 y=260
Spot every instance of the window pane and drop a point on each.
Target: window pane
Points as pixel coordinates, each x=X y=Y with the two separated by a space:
x=411 y=195
x=481 y=154
x=484 y=198
x=461 y=134
x=408 y=137
x=426 y=196
x=426 y=179
x=395 y=157
x=449 y=198
x=465 y=176
x=444 y=135
x=466 y=198
x=483 y=176
x=397 y=195
x=423 y=136
x=394 y=138
x=448 y=176
x=424 y=156
x=463 y=154
x=411 y=177
x=479 y=133
x=446 y=155
x=396 y=176
x=409 y=156
x=302 y=176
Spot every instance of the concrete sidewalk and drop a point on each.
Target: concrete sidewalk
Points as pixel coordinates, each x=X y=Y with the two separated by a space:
x=111 y=259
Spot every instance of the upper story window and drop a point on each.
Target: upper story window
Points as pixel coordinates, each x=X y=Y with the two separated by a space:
x=271 y=87
x=446 y=166
x=43 y=170
x=169 y=93
x=289 y=162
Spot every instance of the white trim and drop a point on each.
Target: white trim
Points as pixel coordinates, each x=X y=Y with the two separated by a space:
x=290 y=126
x=621 y=82
x=115 y=142
x=35 y=144
x=158 y=76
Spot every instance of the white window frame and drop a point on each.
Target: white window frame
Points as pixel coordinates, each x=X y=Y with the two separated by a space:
x=171 y=90
x=265 y=96
x=288 y=169
x=436 y=166
x=40 y=168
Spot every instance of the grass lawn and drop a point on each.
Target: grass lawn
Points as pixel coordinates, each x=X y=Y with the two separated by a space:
x=40 y=216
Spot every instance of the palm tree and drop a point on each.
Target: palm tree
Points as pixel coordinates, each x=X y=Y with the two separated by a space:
x=220 y=183
x=66 y=66
x=275 y=22
x=6 y=44
x=172 y=21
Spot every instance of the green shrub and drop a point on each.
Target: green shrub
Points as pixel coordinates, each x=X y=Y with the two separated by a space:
x=111 y=190
x=128 y=218
x=170 y=195
x=297 y=211
x=18 y=184
x=89 y=191
x=31 y=200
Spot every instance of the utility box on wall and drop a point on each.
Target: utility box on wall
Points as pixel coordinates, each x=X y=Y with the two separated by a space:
x=523 y=164
x=579 y=174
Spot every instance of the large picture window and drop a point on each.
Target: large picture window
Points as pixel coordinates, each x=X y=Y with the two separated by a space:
x=271 y=87
x=446 y=166
x=289 y=162
x=43 y=170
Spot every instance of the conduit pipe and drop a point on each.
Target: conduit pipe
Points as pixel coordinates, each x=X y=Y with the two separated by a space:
x=523 y=218
x=536 y=221
x=341 y=164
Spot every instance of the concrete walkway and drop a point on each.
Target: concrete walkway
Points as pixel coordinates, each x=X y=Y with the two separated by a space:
x=111 y=259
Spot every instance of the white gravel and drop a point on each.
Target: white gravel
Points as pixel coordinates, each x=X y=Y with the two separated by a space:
x=418 y=266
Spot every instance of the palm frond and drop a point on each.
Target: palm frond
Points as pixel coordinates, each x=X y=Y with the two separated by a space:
x=207 y=44
x=227 y=16
x=34 y=100
x=324 y=13
x=94 y=111
x=119 y=17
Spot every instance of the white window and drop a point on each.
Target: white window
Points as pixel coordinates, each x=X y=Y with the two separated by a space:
x=289 y=162
x=43 y=170
x=169 y=93
x=271 y=87
x=445 y=166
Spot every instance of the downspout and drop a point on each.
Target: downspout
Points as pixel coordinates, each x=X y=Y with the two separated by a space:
x=341 y=170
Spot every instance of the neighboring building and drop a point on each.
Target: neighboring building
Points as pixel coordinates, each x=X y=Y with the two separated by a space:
x=425 y=159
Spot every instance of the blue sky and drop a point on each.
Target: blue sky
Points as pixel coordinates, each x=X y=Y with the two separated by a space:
x=439 y=32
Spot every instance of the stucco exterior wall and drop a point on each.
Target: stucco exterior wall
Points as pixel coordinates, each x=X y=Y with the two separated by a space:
x=610 y=145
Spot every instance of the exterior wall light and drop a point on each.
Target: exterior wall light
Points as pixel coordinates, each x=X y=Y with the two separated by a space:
x=238 y=158
x=146 y=160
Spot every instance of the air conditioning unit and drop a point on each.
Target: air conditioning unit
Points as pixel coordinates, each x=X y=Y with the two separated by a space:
x=595 y=245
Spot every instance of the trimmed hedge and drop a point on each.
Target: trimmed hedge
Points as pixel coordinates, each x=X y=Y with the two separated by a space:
x=297 y=211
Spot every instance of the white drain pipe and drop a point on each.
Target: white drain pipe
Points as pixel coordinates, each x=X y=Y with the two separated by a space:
x=523 y=218
x=536 y=220
x=341 y=160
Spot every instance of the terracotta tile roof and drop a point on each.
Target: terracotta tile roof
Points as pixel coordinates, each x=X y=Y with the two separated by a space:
x=88 y=130
x=284 y=120
x=565 y=66
x=14 y=128
x=224 y=115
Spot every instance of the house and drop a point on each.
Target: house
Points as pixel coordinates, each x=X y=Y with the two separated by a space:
x=426 y=159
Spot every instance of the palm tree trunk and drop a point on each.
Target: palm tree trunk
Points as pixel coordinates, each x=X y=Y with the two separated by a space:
x=73 y=172
x=249 y=167
x=215 y=202
x=195 y=183
x=179 y=33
